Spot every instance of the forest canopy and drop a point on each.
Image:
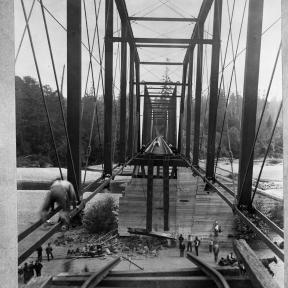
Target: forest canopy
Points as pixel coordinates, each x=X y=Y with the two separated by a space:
x=34 y=138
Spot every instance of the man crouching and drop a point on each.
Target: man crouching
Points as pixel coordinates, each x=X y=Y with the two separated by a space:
x=63 y=193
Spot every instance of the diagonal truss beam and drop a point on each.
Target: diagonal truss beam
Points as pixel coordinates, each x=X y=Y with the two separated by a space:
x=123 y=13
x=204 y=10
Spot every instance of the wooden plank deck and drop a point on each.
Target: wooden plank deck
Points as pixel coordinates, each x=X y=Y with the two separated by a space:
x=192 y=210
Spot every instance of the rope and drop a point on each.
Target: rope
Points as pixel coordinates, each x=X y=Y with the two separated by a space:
x=230 y=85
x=41 y=88
x=65 y=29
x=261 y=118
x=24 y=32
x=89 y=66
x=93 y=85
x=267 y=151
x=59 y=98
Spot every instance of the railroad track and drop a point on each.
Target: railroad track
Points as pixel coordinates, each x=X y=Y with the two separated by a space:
x=202 y=276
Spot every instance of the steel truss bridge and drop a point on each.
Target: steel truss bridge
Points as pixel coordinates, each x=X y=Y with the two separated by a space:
x=160 y=113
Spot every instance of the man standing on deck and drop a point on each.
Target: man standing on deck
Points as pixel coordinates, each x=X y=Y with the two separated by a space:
x=63 y=193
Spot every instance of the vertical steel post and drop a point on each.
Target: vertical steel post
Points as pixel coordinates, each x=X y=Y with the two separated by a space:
x=149 y=206
x=8 y=182
x=213 y=89
x=166 y=194
x=145 y=118
x=137 y=72
x=130 y=147
x=108 y=97
x=284 y=36
x=74 y=91
x=198 y=94
x=172 y=119
x=250 y=95
x=184 y=76
x=123 y=86
x=188 y=104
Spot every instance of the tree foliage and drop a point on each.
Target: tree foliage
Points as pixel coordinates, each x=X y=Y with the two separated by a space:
x=101 y=216
x=34 y=138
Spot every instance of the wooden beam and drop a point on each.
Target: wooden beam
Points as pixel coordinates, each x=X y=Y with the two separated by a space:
x=74 y=92
x=94 y=279
x=161 y=46
x=162 y=63
x=249 y=105
x=166 y=194
x=258 y=274
x=160 y=96
x=162 y=83
x=108 y=97
x=149 y=205
x=213 y=97
x=166 y=40
x=262 y=236
x=165 y=19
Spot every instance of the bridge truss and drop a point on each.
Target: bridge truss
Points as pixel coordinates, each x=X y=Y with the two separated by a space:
x=162 y=108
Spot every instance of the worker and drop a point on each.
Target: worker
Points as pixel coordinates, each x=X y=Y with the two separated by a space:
x=189 y=243
x=39 y=253
x=216 y=250
x=63 y=193
x=196 y=244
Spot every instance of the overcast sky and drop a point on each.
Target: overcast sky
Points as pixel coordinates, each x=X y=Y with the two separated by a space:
x=164 y=8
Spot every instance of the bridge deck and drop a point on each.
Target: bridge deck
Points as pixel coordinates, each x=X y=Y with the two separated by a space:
x=192 y=210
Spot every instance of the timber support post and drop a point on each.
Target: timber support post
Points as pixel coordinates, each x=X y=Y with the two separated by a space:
x=74 y=92
x=166 y=194
x=149 y=207
x=198 y=96
x=249 y=106
x=213 y=98
x=123 y=88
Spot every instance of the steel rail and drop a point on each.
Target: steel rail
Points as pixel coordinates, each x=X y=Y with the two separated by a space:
x=219 y=279
x=34 y=226
x=245 y=219
x=72 y=214
x=97 y=277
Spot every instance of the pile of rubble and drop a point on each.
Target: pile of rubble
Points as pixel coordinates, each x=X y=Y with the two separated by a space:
x=79 y=243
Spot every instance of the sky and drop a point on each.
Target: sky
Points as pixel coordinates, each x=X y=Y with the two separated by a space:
x=153 y=8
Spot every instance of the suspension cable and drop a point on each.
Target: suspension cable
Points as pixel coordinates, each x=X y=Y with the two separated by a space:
x=59 y=98
x=267 y=151
x=41 y=88
x=261 y=118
